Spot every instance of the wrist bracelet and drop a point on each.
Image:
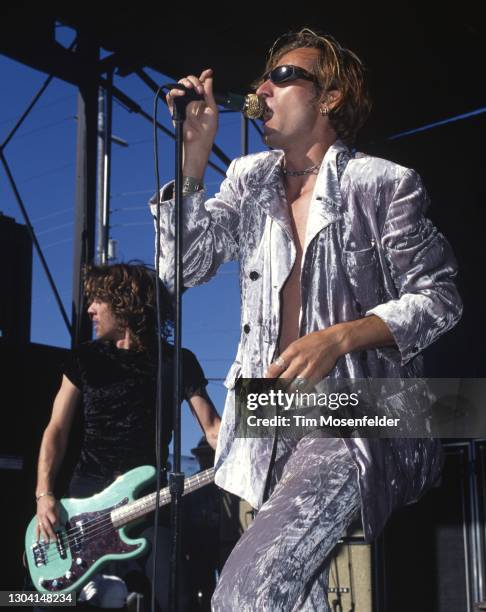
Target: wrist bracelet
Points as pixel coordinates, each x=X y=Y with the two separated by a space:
x=191 y=185
x=43 y=494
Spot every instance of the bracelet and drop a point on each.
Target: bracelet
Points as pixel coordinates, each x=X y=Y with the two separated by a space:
x=191 y=185
x=43 y=494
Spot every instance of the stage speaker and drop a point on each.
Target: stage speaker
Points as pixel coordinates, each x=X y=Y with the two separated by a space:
x=16 y=274
x=480 y=474
x=350 y=573
x=428 y=559
x=31 y=375
x=350 y=576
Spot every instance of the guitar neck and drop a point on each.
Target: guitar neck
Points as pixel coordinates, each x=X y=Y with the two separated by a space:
x=140 y=507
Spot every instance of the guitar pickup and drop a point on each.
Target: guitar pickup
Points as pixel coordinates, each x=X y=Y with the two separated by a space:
x=76 y=537
x=61 y=549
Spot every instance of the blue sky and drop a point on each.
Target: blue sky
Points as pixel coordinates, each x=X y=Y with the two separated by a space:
x=42 y=158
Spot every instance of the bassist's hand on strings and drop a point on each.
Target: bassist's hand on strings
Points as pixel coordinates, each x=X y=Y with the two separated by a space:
x=48 y=513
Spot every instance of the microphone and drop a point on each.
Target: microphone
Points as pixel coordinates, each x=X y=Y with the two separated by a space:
x=251 y=105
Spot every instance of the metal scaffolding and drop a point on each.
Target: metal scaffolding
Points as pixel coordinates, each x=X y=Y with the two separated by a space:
x=96 y=92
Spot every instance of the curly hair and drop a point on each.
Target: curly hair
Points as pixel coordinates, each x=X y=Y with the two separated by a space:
x=335 y=68
x=129 y=289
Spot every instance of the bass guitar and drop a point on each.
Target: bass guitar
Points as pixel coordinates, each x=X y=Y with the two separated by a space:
x=91 y=531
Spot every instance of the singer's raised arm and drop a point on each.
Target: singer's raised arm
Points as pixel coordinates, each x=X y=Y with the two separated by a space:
x=210 y=230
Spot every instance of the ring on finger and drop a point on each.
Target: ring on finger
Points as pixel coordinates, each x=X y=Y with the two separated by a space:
x=280 y=362
x=300 y=381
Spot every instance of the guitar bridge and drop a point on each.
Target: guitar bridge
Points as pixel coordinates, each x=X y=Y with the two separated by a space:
x=39 y=552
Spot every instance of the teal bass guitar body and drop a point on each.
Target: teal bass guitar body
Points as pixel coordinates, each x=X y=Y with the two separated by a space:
x=92 y=531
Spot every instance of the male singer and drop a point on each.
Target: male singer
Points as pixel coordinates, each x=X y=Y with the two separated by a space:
x=342 y=276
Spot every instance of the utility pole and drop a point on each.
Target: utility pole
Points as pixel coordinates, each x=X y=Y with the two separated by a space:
x=100 y=251
x=106 y=249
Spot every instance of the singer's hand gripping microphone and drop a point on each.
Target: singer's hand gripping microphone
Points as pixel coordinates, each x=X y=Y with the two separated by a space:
x=251 y=105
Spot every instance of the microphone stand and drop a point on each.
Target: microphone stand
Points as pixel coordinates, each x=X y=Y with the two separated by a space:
x=252 y=106
x=176 y=476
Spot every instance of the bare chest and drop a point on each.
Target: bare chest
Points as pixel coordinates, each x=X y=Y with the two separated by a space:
x=298 y=208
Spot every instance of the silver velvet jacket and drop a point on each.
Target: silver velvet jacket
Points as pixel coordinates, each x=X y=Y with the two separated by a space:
x=369 y=249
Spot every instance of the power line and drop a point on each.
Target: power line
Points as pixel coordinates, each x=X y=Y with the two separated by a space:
x=53 y=244
x=42 y=106
x=138 y=142
x=127 y=193
x=132 y=224
x=45 y=127
x=53 y=214
x=46 y=173
x=127 y=208
x=53 y=229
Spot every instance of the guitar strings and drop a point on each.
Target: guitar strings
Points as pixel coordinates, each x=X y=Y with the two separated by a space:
x=193 y=483
x=102 y=524
x=94 y=528
x=98 y=526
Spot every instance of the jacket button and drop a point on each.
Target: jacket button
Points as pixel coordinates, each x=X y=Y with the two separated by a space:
x=246 y=328
x=254 y=275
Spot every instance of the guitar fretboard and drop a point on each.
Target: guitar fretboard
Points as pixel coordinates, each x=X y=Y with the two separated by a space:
x=140 y=507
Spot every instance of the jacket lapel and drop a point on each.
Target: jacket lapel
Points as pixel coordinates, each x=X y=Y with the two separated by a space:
x=266 y=190
x=326 y=201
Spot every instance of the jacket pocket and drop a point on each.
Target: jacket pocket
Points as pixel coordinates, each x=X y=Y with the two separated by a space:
x=363 y=271
x=361 y=259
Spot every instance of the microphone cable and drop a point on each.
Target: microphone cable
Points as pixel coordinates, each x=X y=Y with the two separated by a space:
x=158 y=401
x=159 y=387
x=252 y=106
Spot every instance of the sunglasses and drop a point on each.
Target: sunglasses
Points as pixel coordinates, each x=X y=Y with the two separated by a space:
x=287 y=73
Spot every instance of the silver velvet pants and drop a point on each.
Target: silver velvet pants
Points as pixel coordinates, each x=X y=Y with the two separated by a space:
x=281 y=562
